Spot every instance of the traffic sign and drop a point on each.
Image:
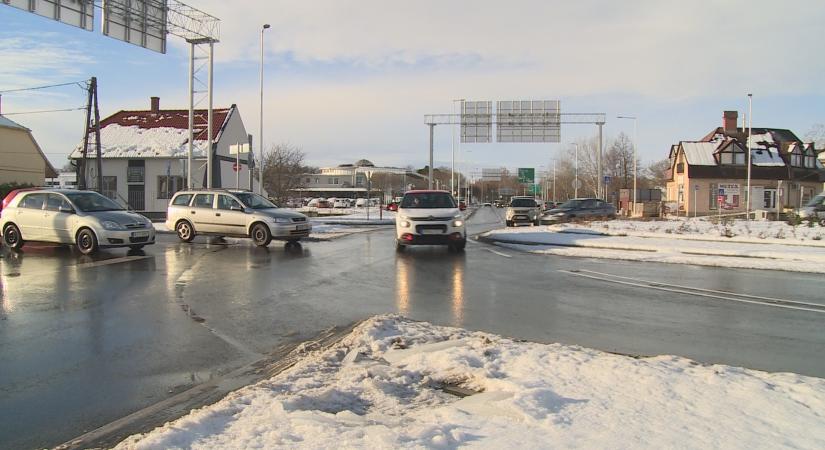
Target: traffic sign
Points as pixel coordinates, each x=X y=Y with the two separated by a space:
x=526 y=175
x=236 y=167
x=607 y=179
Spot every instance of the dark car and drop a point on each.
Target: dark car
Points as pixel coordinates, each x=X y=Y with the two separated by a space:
x=579 y=208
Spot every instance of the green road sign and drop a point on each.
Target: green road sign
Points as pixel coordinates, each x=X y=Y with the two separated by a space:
x=535 y=189
x=526 y=175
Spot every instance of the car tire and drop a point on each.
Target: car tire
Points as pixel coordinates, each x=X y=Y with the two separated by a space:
x=12 y=237
x=400 y=247
x=508 y=223
x=537 y=222
x=459 y=246
x=86 y=241
x=260 y=235
x=185 y=231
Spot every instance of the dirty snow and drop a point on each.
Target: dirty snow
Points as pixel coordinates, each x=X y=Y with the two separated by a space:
x=380 y=388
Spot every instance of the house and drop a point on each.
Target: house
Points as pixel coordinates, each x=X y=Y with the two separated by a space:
x=63 y=180
x=350 y=180
x=144 y=154
x=21 y=159
x=711 y=173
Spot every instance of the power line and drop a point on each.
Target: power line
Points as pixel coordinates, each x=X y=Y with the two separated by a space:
x=35 y=88
x=43 y=111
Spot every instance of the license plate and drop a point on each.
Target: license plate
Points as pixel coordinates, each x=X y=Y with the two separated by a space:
x=139 y=234
x=302 y=227
x=431 y=232
x=520 y=217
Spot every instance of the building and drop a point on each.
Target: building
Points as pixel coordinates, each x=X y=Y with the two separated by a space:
x=21 y=159
x=711 y=173
x=144 y=154
x=64 y=180
x=350 y=181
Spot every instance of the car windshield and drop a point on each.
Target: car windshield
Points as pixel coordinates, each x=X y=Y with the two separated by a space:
x=92 y=202
x=422 y=200
x=523 y=203
x=819 y=200
x=254 y=201
x=571 y=204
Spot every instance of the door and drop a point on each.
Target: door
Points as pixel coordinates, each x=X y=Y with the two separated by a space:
x=202 y=213
x=137 y=197
x=29 y=217
x=57 y=219
x=230 y=221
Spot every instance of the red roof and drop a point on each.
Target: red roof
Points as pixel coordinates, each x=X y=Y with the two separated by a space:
x=171 y=118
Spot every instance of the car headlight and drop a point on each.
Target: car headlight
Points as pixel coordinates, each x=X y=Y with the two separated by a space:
x=404 y=224
x=282 y=220
x=458 y=223
x=110 y=225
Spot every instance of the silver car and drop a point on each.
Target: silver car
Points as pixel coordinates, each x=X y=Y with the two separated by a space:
x=522 y=210
x=220 y=212
x=82 y=218
x=815 y=209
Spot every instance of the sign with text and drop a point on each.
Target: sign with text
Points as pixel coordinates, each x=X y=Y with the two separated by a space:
x=490 y=174
x=528 y=121
x=526 y=175
x=476 y=121
x=730 y=195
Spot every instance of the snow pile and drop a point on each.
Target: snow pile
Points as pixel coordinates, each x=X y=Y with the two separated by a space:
x=380 y=388
x=118 y=141
x=358 y=216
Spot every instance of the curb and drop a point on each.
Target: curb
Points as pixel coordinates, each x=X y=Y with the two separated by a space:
x=489 y=240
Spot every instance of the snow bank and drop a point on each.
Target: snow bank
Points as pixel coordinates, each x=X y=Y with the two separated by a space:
x=380 y=388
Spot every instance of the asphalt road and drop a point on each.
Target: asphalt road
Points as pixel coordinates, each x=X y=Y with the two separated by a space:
x=84 y=341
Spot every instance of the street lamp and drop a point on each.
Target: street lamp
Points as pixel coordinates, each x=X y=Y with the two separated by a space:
x=261 y=129
x=452 y=147
x=633 y=209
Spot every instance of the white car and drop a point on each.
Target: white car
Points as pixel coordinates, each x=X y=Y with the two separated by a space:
x=340 y=203
x=220 y=212
x=429 y=218
x=360 y=203
x=82 y=218
x=523 y=210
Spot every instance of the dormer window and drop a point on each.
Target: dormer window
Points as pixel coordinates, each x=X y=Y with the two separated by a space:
x=796 y=158
x=732 y=156
x=810 y=159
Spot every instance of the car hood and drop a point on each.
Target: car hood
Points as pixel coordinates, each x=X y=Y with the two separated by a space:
x=278 y=213
x=558 y=210
x=428 y=212
x=119 y=217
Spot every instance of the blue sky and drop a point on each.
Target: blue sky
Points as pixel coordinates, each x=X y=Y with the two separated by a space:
x=349 y=79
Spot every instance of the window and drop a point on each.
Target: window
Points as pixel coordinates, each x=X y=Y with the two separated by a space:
x=732 y=156
x=136 y=171
x=227 y=202
x=56 y=202
x=309 y=180
x=110 y=187
x=796 y=158
x=810 y=161
x=203 y=201
x=428 y=200
x=182 y=200
x=168 y=185
x=33 y=201
x=680 y=168
x=739 y=158
x=317 y=181
x=335 y=181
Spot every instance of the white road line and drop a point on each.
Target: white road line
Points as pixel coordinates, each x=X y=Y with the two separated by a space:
x=107 y=262
x=661 y=287
x=755 y=297
x=499 y=253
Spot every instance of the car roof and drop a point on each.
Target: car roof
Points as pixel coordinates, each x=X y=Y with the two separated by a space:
x=426 y=191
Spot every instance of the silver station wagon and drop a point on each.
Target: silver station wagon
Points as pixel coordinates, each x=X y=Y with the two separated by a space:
x=219 y=212
x=83 y=218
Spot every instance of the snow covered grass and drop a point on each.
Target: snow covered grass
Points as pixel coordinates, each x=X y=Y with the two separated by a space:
x=358 y=216
x=380 y=388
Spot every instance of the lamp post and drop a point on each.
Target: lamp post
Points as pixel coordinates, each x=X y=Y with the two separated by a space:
x=750 y=130
x=576 y=179
x=261 y=129
x=633 y=208
x=452 y=147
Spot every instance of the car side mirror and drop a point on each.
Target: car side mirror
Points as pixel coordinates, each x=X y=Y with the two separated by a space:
x=63 y=209
x=235 y=208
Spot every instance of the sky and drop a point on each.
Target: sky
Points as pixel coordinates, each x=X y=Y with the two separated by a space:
x=347 y=79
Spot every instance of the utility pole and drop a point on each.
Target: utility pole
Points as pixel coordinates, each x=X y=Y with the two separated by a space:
x=98 y=155
x=430 y=171
x=750 y=130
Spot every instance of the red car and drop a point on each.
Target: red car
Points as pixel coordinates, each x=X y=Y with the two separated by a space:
x=392 y=206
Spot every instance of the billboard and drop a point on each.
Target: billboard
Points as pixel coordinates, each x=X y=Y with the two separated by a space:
x=476 y=121
x=138 y=22
x=528 y=121
x=490 y=174
x=526 y=175
x=77 y=13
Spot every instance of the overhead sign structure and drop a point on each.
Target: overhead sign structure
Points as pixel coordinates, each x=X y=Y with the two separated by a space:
x=476 y=122
x=138 y=22
x=490 y=174
x=77 y=13
x=528 y=121
x=526 y=175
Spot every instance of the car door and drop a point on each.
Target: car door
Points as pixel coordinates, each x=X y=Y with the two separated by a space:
x=57 y=216
x=230 y=216
x=202 y=213
x=29 y=217
x=589 y=208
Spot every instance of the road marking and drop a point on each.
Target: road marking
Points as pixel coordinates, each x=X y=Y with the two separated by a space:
x=107 y=262
x=498 y=253
x=699 y=292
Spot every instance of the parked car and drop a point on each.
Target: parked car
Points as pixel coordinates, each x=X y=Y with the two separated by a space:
x=429 y=218
x=522 y=210
x=580 y=208
x=221 y=212
x=66 y=216
x=815 y=209
x=392 y=206
x=340 y=203
x=361 y=203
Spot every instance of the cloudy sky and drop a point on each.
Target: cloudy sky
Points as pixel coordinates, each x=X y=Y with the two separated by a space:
x=353 y=79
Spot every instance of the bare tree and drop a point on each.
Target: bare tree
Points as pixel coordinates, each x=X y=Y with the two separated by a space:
x=816 y=135
x=283 y=166
x=655 y=175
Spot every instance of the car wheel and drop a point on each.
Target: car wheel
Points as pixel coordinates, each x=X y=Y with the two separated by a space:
x=12 y=238
x=459 y=246
x=537 y=222
x=400 y=247
x=822 y=222
x=260 y=235
x=185 y=231
x=86 y=241
x=611 y=217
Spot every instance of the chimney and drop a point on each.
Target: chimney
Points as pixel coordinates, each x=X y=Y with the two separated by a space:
x=155 y=104
x=729 y=119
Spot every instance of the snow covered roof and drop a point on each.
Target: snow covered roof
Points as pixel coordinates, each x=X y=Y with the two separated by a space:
x=700 y=153
x=8 y=123
x=156 y=134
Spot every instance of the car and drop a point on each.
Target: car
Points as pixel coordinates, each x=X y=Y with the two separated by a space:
x=392 y=206
x=486 y=204
x=340 y=203
x=580 y=208
x=815 y=209
x=85 y=219
x=220 y=212
x=429 y=217
x=522 y=210
x=361 y=203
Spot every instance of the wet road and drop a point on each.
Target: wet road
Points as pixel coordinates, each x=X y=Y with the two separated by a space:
x=85 y=341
